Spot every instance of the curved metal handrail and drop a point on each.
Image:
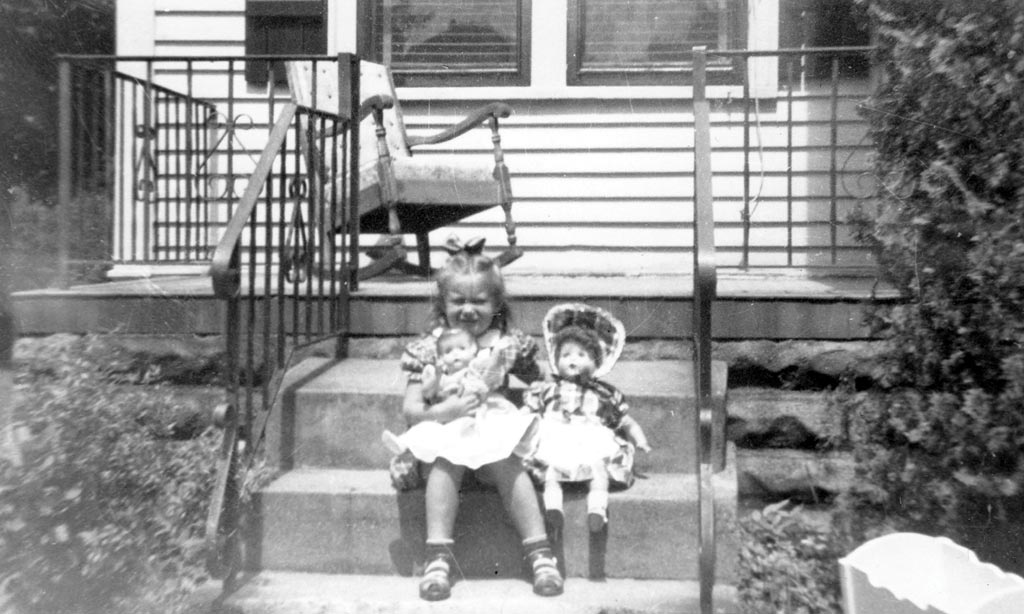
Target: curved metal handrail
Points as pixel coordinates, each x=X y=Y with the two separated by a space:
x=224 y=270
x=710 y=443
x=222 y=516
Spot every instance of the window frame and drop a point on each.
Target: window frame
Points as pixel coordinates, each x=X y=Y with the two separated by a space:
x=719 y=70
x=432 y=77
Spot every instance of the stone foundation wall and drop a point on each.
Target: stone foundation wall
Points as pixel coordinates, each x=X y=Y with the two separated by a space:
x=780 y=416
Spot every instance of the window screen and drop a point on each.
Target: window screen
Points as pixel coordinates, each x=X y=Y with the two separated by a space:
x=647 y=41
x=437 y=42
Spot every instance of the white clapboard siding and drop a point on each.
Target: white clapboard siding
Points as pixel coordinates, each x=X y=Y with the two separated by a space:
x=600 y=185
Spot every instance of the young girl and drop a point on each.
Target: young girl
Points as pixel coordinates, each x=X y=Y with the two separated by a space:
x=586 y=433
x=471 y=296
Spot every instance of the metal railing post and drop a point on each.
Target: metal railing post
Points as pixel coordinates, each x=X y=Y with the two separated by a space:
x=64 y=169
x=704 y=281
x=348 y=67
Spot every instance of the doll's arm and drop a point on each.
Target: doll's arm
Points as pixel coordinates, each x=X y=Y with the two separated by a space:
x=471 y=383
x=430 y=381
x=630 y=428
x=495 y=365
x=533 y=397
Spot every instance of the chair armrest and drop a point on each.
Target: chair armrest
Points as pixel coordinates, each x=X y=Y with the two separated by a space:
x=474 y=119
x=380 y=101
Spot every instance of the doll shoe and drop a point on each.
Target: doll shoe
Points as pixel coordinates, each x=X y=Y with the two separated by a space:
x=597 y=521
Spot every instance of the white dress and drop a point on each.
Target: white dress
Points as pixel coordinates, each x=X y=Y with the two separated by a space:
x=497 y=430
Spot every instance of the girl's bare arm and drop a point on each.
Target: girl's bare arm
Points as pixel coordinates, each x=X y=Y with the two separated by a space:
x=417 y=410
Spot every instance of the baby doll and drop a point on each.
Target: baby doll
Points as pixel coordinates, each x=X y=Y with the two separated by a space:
x=456 y=372
x=586 y=433
x=462 y=369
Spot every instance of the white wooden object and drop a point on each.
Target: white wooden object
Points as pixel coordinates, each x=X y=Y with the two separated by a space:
x=909 y=573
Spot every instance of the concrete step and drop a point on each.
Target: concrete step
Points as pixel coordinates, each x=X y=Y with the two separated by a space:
x=332 y=414
x=353 y=521
x=303 y=593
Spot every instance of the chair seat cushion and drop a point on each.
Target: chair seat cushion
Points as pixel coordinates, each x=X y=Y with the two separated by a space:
x=422 y=181
x=428 y=195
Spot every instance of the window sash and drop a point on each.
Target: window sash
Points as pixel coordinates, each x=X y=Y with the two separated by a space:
x=649 y=42
x=442 y=43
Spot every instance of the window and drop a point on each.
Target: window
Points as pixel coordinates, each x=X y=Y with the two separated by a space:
x=282 y=27
x=443 y=43
x=648 y=42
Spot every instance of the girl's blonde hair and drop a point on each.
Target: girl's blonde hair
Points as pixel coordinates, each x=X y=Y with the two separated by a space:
x=463 y=263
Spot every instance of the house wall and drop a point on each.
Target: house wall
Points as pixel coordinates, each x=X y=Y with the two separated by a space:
x=602 y=177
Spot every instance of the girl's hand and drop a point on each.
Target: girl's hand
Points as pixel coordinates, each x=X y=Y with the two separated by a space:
x=644 y=447
x=455 y=407
x=468 y=404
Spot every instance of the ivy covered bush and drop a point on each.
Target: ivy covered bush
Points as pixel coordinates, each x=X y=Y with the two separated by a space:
x=942 y=450
x=789 y=564
x=101 y=510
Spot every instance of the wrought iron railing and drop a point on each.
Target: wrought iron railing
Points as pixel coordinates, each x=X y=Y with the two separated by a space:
x=134 y=183
x=154 y=151
x=797 y=149
x=283 y=273
x=709 y=435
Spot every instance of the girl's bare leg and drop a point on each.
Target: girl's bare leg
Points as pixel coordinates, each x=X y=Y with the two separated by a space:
x=520 y=500
x=442 y=500
x=518 y=495
x=442 y=505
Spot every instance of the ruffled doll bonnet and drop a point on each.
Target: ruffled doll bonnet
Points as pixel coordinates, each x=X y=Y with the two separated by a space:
x=609 y=330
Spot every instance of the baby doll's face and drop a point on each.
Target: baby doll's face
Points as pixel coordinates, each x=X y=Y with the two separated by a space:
x=456 y=352
x=574 y=361
x=469 y=304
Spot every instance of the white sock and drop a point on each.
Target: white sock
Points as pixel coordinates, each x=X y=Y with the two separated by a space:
x=552 y=495
x=597 y=502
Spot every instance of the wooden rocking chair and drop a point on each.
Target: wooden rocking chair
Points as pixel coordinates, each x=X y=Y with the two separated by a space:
x=400 y=193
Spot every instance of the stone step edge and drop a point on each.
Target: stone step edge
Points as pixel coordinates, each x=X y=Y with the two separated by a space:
x=771 y=473
x=308 y=593
x=336 y=481
x=803 y=475
x=383 y=376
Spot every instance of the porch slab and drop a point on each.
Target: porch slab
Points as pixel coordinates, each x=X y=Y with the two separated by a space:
x=748 y=306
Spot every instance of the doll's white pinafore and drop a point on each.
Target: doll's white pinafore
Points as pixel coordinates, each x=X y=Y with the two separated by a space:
x=578 y=420
x=578 y=423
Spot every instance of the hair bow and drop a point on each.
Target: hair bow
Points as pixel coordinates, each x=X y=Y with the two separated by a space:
x=471 y=247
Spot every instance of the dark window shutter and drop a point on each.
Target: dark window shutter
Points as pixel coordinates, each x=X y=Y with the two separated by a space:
x=277 y=27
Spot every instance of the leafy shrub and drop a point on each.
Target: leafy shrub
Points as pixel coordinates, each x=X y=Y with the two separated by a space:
x=946 y=443
x=787 y=564
x=33 y=31
x=102 y=514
